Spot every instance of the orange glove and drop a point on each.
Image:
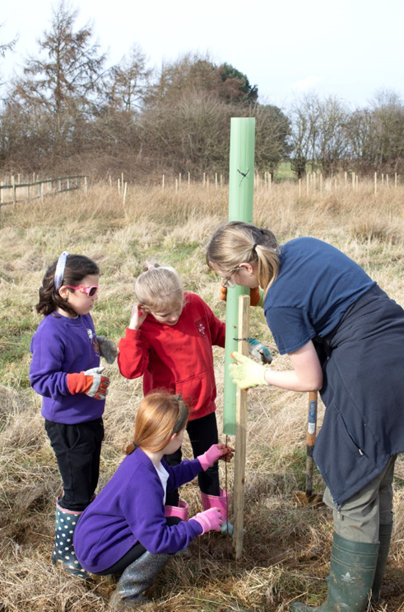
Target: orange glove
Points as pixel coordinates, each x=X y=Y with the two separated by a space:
x=256 y=296
x=90 y=382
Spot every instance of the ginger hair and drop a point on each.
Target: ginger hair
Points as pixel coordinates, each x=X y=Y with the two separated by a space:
x=159 y=416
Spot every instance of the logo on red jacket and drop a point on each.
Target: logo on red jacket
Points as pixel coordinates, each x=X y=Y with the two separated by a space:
x=201 y=327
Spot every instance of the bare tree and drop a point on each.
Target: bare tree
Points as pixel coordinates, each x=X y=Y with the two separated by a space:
x=64 y=79
x=129 y=83
x=318 y=133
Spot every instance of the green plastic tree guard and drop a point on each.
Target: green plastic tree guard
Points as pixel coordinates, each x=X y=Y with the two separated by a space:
x=241 y=195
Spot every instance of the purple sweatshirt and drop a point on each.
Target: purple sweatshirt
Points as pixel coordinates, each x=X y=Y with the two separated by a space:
x=63 y=346
x=130 y=509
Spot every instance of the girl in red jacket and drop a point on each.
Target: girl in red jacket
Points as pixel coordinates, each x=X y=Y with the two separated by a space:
x=169 y=342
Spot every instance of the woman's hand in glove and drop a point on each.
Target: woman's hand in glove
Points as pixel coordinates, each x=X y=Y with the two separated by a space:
x=247 y=373
x=256 y=296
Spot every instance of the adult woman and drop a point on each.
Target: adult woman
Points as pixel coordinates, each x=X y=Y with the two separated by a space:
x=345 y=337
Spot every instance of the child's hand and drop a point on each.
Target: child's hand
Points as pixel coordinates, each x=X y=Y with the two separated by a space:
x=228 y=453
x=137 y=316
x=91 y=383
x=210 y=520
x=213 y=454
x=107 y=348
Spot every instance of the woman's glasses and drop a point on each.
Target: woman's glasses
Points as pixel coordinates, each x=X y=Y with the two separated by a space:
x=226 y=280
x=90 y=291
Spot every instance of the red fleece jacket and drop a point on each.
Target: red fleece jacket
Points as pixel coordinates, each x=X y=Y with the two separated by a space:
x=178 y=357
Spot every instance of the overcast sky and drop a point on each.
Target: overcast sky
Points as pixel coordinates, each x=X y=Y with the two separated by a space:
x=349 y=48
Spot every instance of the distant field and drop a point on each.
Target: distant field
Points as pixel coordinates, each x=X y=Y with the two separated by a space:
x=286 y=549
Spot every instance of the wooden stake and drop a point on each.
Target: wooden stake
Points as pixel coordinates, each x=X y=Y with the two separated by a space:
x=124 y=193
x=204 y=180
x=216 y=180
x=85 y=185
x=241 y=430
x=163 y=181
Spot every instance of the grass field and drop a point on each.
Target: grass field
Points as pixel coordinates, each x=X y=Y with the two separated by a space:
x=286 y=549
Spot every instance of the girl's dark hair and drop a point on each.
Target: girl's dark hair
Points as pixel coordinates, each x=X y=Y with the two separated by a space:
x=77 y=267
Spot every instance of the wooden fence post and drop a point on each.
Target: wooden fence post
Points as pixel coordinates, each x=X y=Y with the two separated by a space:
x=241 y=430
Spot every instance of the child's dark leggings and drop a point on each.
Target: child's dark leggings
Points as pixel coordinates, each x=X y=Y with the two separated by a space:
x=133 y=554
x=77 y=448
x=202 y=434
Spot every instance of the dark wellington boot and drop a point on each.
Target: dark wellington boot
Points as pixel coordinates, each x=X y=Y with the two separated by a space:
x=385 y=532
x=352 y=571
x=137 y=577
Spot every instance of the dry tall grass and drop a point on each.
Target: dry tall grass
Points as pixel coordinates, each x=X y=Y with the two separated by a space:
x=286 y=549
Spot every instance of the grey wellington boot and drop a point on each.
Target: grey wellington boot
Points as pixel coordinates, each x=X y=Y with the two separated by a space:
x=137 y=577
x=351 y=576
x=63 y=551
x=385 y=532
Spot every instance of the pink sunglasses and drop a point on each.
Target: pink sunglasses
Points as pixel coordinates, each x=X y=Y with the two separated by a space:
x=90 y=291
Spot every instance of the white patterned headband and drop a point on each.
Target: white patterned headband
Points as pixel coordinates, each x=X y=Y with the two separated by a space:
x=60 y=270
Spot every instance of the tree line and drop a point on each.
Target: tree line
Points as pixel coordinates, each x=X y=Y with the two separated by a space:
x=67 y=110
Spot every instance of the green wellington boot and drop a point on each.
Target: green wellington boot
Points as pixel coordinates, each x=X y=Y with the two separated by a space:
x=385 y=532
x=352 y=570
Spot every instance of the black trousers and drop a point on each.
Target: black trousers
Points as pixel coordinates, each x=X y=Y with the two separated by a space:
x=202 y=434
x=77 y=449
x=133 y=554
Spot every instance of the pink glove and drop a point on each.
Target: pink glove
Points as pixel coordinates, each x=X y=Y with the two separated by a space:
x=210 y=520
x=212 y=455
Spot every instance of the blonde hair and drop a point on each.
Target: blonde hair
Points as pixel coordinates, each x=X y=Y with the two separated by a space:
x=236 y=242
x=159 y=288
x=159 y=416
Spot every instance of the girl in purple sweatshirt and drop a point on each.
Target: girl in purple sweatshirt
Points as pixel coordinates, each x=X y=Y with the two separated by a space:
x=66 y=371
x=125 y=531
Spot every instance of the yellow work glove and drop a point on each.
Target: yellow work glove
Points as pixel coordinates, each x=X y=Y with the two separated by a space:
x=247 y=373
